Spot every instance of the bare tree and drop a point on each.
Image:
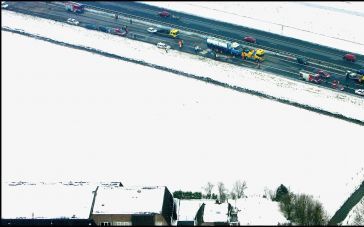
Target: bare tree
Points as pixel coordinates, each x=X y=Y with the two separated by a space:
x=208 y=190
x=302 y=209
x=238 y=188
x=222 y=192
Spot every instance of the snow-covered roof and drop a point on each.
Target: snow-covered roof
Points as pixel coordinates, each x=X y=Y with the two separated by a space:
x=51 y=200
x=259 y=211
x=187 y=209
x=214 y=212
x=120 y=200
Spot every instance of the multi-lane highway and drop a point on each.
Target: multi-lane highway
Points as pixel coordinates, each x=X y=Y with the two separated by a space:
x=281 y=52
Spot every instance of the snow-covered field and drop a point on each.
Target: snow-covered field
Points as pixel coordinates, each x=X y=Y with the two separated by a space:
x=81 y=116
x=334 y=24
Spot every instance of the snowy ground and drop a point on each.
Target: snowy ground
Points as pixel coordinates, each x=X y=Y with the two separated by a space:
x=357 y=209
x=335 y=24
x=97 y=119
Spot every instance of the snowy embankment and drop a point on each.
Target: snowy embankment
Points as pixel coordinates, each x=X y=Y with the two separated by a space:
x=339 y=29
x=306 y=94
x=168 y=117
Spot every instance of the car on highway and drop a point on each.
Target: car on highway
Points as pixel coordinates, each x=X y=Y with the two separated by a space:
x=360 y=72
x=4 y=5
x=359 y=92
x=152 y=30
x=323 y=73
x=164 y=13
x=302 y=60
x=250 y=39
x=336 y=85
x=349 y=57
x=163 y=46
x=73 y=21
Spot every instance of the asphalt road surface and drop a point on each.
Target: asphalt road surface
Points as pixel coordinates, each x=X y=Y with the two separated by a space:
x=281 y=52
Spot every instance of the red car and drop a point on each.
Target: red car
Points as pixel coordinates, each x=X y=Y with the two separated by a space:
x=323 y=74
x=250 y=39
x=349 y=57
x=164 y=13
x=336 y=85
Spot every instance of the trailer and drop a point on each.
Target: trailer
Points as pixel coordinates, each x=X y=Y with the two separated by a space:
x=223 y=46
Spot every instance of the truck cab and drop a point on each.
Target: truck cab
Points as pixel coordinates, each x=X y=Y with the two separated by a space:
x=257 y=55
x=311 y=77
x=174 y=32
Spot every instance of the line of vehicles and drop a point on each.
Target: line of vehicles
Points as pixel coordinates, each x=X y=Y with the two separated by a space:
x=233 y=49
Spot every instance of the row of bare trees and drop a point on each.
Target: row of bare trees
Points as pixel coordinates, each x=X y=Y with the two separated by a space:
x=236 y=192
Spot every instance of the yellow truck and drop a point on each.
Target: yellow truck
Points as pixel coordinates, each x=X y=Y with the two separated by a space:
x=168 y=32
x=251 y=54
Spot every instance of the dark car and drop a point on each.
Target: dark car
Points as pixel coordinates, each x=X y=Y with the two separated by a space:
x=302 y=60
x=349 y=57
x=323 y=73
x=164 y=13
x=250 y=39
x=360 y=72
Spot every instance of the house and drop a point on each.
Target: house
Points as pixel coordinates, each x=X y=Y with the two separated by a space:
x=214 y=213
x=58 y=203
x=133 y=206
x=187 y=211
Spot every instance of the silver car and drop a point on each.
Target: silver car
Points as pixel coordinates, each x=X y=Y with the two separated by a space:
x=73 y=21
x=151 y=30
x=359 y=92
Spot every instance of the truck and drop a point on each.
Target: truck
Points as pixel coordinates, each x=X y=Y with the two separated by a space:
x=315 y=78
x=74 y=7
x=168 y=32
x=355 y=76
x=224 y=47
x=252 y=54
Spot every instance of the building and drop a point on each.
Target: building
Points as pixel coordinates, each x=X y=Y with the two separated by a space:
x=187 y=211
x=59 y=203
x=211 y=214
x=133 y=206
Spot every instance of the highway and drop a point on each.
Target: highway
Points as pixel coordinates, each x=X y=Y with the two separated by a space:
x=281 y=52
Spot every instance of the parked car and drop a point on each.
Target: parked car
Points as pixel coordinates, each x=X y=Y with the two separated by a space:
x=323 y=73
x=151 y=30
x=359 y=92
x=250 y=39
x=349 y=57
x=73 y=21
x=164 y=13
x=163 y=45
x=302 y=60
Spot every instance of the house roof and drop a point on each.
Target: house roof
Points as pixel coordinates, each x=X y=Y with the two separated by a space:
x=46 y=201
x=135 y=200
x=187 y=209
x=214 y=212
